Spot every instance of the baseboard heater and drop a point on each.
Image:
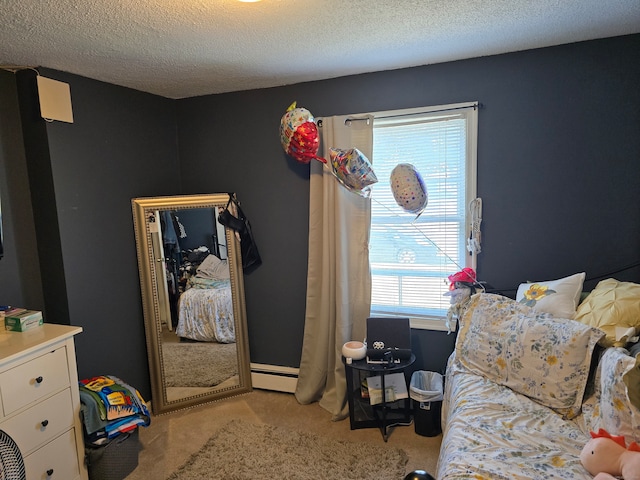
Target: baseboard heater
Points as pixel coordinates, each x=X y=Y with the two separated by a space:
x=274 y=377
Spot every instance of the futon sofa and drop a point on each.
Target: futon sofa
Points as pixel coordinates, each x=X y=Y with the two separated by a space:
x=524 y=388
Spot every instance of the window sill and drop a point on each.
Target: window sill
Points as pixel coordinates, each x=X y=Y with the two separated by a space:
x=435 y=324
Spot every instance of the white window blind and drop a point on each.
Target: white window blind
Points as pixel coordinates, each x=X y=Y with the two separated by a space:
x=411 y=258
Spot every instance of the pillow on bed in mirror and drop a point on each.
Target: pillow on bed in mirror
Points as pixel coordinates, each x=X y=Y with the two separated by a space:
x=611 y=304
x=557 y=297
x=213 y=267
x=535 y=354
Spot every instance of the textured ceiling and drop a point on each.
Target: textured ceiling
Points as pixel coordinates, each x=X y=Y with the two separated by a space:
x=185 y=48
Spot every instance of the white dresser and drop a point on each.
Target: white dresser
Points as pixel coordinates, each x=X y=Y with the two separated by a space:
x=40 y=401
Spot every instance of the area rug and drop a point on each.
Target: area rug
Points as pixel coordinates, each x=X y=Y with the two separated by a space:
x=242 y=450
x=188 y=364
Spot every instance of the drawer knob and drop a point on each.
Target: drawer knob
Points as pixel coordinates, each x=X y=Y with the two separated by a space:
x=44 y=423
x=39 y=379
x=49 y=472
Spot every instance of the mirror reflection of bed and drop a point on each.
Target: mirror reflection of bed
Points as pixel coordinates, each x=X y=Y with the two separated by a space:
x=198 y=332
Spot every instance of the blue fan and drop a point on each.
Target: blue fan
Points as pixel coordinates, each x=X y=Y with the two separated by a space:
x=11 y=464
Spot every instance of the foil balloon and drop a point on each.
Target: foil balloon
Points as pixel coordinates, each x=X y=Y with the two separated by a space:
x=353 y=169
x=299 y=134
x=408 y=188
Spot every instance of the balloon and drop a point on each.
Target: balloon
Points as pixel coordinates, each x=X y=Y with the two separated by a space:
x=408 y=188
x=352 y=168
x=299 y=134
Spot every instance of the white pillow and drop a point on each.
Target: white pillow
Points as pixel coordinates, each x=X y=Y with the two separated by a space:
x=559 y=297
x=213 y=267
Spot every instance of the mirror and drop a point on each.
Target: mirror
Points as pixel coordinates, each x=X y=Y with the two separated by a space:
x=193 y=300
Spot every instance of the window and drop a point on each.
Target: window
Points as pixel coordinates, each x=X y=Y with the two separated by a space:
x=411 y=257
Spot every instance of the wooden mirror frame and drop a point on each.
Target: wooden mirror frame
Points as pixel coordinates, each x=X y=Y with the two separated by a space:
x=143 y=209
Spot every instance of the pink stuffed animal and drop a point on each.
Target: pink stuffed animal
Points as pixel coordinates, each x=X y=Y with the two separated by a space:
x=607 y=457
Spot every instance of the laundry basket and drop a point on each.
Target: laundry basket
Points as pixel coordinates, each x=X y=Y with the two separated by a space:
x=114 y=460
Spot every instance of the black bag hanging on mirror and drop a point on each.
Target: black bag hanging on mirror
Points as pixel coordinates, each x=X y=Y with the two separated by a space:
x=240 y=223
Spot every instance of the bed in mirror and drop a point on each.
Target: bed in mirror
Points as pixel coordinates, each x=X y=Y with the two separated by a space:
x=193 y=300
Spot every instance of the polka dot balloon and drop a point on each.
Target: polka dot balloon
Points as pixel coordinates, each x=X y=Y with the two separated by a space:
x=408 y=188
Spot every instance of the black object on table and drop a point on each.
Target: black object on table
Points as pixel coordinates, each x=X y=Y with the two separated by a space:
x=385 y=414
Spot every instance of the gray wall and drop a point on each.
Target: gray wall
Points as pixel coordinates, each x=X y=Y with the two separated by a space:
x=558 y=161
x=19 y=270
x=121 y=145
x=558 y=171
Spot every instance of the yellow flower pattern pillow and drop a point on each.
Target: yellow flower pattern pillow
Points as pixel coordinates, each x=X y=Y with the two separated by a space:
x=545 y=358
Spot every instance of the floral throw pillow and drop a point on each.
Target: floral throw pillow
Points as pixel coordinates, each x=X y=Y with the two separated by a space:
x=545 y=358
x=618 y=415
x=557 y=297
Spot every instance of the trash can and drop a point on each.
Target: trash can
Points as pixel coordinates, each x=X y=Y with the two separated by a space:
x=427 y=394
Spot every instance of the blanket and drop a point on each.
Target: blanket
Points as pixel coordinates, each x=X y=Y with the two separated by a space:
x=110 y=407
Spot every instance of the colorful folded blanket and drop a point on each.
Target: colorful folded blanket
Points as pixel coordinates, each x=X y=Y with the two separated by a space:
x=110 y=407
x=118 y=399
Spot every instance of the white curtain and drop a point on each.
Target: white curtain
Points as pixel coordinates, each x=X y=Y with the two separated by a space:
x=339 y=277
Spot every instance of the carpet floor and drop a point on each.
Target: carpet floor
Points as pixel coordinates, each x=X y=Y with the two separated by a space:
x=190 y=364
x=171 y=439
x=242 y=450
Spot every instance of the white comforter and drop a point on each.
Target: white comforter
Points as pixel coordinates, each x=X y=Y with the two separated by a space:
x=491 y=432
x=206 y=314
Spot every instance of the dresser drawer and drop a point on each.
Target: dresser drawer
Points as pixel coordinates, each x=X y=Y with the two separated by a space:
x=57 y=460
x=33 y=380
x=42 y=422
